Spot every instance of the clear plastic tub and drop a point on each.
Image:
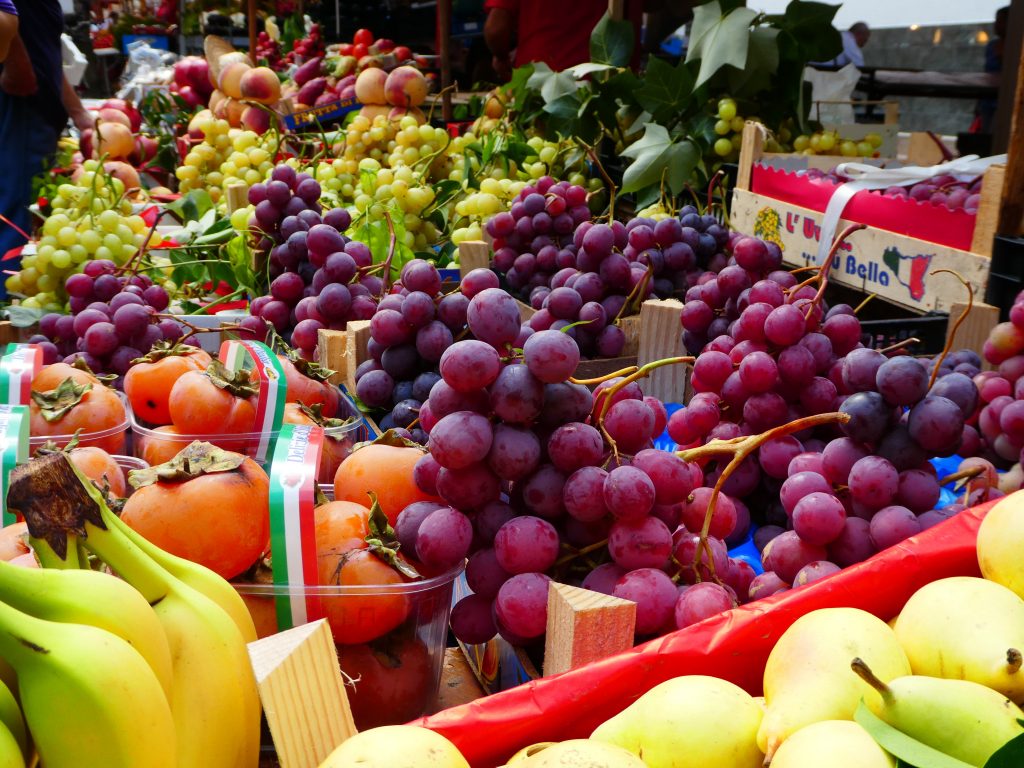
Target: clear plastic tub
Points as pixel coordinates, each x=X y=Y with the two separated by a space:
x=127 y=464
x=113 y=440
x=156 y=445
x=394 y=670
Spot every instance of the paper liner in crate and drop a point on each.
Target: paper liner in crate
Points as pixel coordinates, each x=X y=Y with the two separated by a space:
x=854 y=201
x=733 y=645
x=14 y=423
x=293 y=471
x=273 y=388
x=18 y=366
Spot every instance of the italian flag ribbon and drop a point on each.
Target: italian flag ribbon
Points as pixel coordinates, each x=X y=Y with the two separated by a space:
x=14 y=423
x=273 y=388
x=18 y=366
x=293 y=470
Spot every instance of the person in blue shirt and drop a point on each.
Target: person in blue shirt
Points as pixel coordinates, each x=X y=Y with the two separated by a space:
x=854 y=38
x=35 y=103
x=8 y=27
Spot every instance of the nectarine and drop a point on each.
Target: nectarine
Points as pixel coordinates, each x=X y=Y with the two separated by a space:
x=405 y=87
x=230 y=81
x=114 y=140
x=370 y=86
x=260 y=84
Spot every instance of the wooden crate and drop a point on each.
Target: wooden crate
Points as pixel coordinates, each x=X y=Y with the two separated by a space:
x=864 y=263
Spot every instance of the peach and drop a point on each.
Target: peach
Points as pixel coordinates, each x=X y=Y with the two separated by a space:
x=397 y=113
x=233 y=57
x=108 y=115
x=256 y=119
x=114 y=140
x=371 y=111
x=230 y=80
x=405 y=87
x=124 y=172
x=260 y=84
x=216 y=98
x=233 y=112
x=370 y=86
x=494 y=107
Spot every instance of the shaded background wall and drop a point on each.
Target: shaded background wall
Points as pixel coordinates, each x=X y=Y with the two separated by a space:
x=952 y=48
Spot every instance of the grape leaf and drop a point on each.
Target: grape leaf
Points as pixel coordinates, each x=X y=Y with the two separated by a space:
x=611 y=42
x=807 y=31
x=588 y=68
x=762 y=63
x=666 y=90
x=191 y=206
x=899 y=744
x=657 y=155
x=558 y=85
x=719 y=40
x=23 y=317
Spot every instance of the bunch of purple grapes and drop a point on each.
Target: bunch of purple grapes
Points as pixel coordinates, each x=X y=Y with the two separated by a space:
x=114 y=320
x=413 y=325
x=318 y=275
x=527 y=482
x=944 y=189
x=776 y=354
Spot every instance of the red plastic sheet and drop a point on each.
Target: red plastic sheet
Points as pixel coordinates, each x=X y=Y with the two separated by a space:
x=733 y=645
x=922 y=220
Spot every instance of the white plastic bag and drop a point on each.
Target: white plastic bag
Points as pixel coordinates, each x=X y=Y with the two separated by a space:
x=832 y=86
x=74 y=61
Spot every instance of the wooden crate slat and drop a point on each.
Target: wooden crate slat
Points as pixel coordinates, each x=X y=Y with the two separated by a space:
x=661 y=337
x=585 y=626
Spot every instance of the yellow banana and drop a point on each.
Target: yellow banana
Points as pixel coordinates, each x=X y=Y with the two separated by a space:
x=199 y=577
x=11 y=718
x=10 y=752
x=214 y=701
x=98 y=599
x=88 y=697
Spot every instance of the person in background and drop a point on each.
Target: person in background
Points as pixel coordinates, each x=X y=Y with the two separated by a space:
x=35 y=103
x=557 y=34
x=993 y=65
x=854 y=38
x=8 y=27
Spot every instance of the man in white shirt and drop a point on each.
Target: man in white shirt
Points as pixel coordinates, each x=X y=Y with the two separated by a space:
x=855 y=38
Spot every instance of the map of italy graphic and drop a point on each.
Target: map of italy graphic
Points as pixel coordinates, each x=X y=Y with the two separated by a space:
x=910 y=271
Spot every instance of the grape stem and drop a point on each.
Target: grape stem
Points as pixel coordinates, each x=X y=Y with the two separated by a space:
x=741 y=448
x=861 y=306
x=826 y=267
x=638 y=290
x=392 y=242
x=640 y=373
x=139 y=254
x=900 y=345
x=956 y=326
x=607 y=377
x=581 y=552
x=963 y=474
x=592 y=154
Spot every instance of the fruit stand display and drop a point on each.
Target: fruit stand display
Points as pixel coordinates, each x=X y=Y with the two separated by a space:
x=318 y=407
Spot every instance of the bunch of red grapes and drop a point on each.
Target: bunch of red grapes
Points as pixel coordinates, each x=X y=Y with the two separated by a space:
x=943 y=189
x=319 y=276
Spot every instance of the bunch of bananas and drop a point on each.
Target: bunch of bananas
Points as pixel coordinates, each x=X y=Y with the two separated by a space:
x=149 y=670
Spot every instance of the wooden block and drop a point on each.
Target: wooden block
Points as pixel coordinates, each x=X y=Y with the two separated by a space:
x=12 y=334
x=585 y=626
x=986 y=222
x=473 y=254
x=525 y=311
x=330 y=352
x=303 y=695
x=358 y=332
x=661 y=337
x=616 y=9
x=922 y=149
x=237 y=197
x=750 y=152
x=631 y=327
x=975 y=329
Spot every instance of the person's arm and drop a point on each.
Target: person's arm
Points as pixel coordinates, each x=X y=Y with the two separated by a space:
x=18 y=77
x=853 y=52
x=80 y=116
x=8 y=31
x=499 y=32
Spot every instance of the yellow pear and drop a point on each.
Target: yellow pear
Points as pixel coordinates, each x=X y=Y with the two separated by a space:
x=965 y=628
x=1001 y=543
x=687 y=721
x=831 y=743
x=580 y=753
x=808 y=678
x=396 y=746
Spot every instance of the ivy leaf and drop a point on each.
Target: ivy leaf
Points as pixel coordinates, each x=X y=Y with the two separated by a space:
x=762 y=63
x=1010 y=755
x=808 y=31
x=23 y=317
x=719 y=40
x=536 y=75
x=588 y=68
x=558 y=85
x=899 y=744
x=666 y=90
x=611 y=42
x=657 y=155
x=566 y=107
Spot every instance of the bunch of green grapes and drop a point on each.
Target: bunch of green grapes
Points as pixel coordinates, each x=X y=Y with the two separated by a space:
x=495 y=196
x=89 y=220
x=422 y=148
x=729 y=128
x=380 y=186
x=831 y=143
x=225 y=156
x=366 y=138
x=336 y=185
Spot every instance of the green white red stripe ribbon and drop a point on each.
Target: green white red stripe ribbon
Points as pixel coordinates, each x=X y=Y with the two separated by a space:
x=14 y=424
x=293 y=470
x=18 y=366
x=273 y=388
